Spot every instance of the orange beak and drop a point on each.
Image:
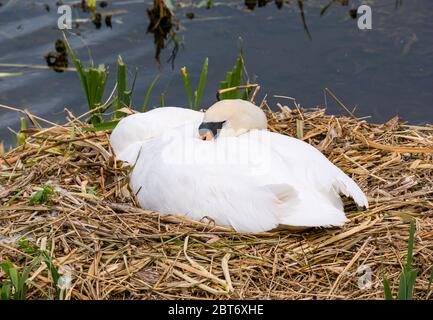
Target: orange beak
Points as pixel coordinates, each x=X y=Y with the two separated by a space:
x=206 y=136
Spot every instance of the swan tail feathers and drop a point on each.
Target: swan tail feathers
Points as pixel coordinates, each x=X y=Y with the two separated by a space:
x=349 y=188
x=305 y=209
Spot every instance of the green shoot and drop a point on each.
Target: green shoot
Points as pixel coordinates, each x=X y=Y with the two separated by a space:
x=123 y=95
x=52 y=269
x=43 y=196
x=25 y=246
x=187 y=83
x=21 y=136
x=91 y=4
x=104 y=126
x=162 y=100
x=407 y=276
x=201 y=84
x=148 y=93
x=17 y=281
x=93 y=81
x=234 y=78
x=387 y=289
x=15 y=287
x=5 y=291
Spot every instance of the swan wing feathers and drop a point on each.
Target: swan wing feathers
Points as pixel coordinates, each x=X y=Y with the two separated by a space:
x=171 y=185
x=283 y=181
x=142 y=126
x=313 y=169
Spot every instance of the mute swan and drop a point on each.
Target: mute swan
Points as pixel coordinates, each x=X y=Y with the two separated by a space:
x=132 y=130
x=241 y=175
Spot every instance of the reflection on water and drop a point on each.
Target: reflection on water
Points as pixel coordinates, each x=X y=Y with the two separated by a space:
x=58 y=59
x=382 y=72
x=162 y=25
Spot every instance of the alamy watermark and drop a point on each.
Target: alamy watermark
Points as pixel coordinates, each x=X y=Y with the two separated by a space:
x=364 y=275
x=65 y=20
x=365 y=20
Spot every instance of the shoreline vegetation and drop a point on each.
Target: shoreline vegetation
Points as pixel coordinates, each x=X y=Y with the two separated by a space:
x=70 y=229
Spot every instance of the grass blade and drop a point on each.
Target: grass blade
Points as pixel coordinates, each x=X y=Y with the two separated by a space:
x=187 y=84
x=402 y=288
x=21 y=136
x=410 y=245
x=5 y=293
x=201 y=84
x=326 y=7
x=104 y=126
x=387 y=290
x=24 y=277
x=93 y=81
x=148 y=93
x=162 y=100
x=304 y=21
x=411 y=284
x=121 y=100
x=234 y=78
x=53 y=271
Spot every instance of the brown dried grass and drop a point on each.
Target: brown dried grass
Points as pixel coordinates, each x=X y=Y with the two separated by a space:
x=117 y=250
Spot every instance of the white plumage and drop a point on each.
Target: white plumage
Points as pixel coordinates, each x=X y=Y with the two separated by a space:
x=133 y=130
x=255 y=181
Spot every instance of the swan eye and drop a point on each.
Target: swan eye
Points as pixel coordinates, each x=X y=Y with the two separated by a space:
x=209 y=130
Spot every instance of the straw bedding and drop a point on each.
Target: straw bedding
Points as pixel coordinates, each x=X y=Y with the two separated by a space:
x=112 y=249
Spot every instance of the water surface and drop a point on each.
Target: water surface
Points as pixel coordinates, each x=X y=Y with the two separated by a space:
x=382 y=72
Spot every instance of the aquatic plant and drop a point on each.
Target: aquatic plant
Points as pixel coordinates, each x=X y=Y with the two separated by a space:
x=187 y=84
x=162 y=100
x=148 y=93
x=161 y=25
x=58 y=59
x=201 y=85
x=304 y=21
x=123 y=98
x=407 y=276
x=90 y=4
x=93 y=81
x=234 y=78
x=21 y=135
x=202 y=82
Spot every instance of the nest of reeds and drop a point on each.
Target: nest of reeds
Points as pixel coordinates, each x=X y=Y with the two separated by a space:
x=112 y=249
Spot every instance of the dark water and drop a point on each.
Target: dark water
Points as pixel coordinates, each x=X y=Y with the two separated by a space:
x=382 y=72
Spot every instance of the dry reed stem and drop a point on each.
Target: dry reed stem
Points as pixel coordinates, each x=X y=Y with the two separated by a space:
x=119 y=251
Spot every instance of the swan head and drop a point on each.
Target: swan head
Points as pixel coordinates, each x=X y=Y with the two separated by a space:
x=231 y=118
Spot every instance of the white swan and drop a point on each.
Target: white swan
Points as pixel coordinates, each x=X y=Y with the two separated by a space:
x=132 y=130
x=242 y=175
